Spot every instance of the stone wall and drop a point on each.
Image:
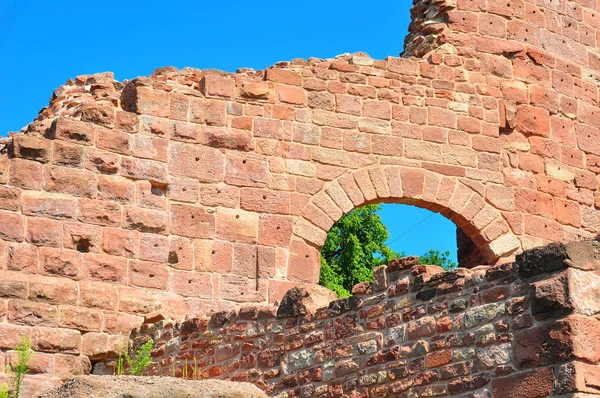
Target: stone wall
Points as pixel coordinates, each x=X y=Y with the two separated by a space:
x=191 y=191
x=522 y=330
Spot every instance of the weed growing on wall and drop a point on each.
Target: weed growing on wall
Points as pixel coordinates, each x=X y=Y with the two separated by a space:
x=19 y=369
x=138 y=363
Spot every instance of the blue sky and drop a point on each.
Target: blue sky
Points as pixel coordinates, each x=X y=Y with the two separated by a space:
x=44 y=43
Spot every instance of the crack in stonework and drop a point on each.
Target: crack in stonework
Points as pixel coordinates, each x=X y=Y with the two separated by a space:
x=428 y=22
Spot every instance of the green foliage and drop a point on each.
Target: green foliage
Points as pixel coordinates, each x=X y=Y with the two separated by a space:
x=435 y=257
x=19 y=369
x=4 y=390
x=136 y=364
x=141 y=360
x=354 y=246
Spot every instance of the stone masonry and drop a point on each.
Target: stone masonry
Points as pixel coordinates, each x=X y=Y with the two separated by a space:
x=194 y=191
x=523 y=330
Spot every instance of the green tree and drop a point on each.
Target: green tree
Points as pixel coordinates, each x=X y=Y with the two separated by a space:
x=435 y=257
x=354 y=246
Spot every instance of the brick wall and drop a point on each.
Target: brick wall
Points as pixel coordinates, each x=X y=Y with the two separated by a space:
x=527 y=329
x=190 y=191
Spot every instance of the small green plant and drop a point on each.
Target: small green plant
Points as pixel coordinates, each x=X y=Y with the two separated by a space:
x=141 y=359
x=195 y=374
x=4 y=390
x=19 y=369
x=136 y=364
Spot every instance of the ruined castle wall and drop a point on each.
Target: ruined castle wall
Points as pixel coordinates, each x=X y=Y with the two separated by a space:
x=527 y=329
x=190 y=191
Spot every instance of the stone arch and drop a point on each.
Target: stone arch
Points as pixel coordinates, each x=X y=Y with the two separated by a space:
x=454 y=199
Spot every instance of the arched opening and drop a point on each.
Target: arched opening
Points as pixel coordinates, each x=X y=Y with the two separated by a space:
x=373 y=234
x=484 y=236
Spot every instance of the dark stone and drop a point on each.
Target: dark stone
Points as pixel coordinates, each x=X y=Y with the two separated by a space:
x=340 y=306
x=541 y=260
x=458 y=305
x=551 y=297
x=426 y=294
x=291 y=304
x=218 y=319
x=500 y=272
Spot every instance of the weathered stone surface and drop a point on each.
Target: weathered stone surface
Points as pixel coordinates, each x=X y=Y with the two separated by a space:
x=150 y=387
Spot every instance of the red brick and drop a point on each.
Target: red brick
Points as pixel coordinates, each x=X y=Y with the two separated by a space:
x=533 y=384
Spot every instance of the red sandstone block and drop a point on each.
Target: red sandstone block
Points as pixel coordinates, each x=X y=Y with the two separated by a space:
x=303 y=263
x=191 y=284
x=44 y=232
x=154 y=248
x=142 y=169
x=543 y=228
x=148 y=274
x=98 y=295
x=196 y=161
x=119 y=242
x=53 y=290
x=102 y=161
x=221 y=137
x=274 y=230
x=533 y=120
x=72 y=130
x=11 y=226
x=192 y=221
x=26 y=174
x=56 y=340
x=99 y=212
x=236 y=225
x=217 y=86
x=32 y=314
x=23 y=257
x=70 y=181
x=500 y=197
x=263 y=200
x=291 y=94
x=84 y=319
x=150 y=148
x=588 y=138
x=116 y=189
x=187 y=132
x=126 y=121
x=120 y=323
x=113 y=140
x=412 y=182
x=145 y=100
x=67 y=154
x=60 y=262
x=402 y=66
x=285 y=76
x=69 y=365
x=32 y=148
x=441 y=117
x=213 y=256
x=144 y=220
x=95 y=345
